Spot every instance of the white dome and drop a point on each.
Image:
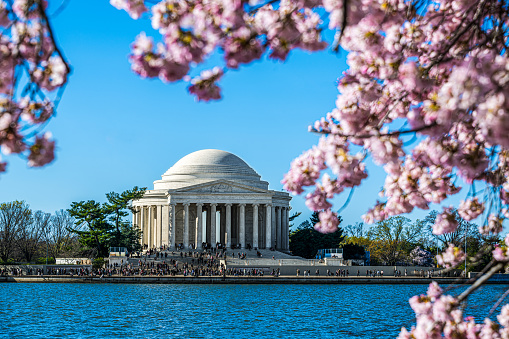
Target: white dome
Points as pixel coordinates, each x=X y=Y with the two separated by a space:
x=209 y=165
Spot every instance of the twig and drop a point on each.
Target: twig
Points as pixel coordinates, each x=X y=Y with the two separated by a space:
x=347 y=200
x=60 y=8
x=53 y=40
x=339 y=34
x=365 y=136
x=458 y=34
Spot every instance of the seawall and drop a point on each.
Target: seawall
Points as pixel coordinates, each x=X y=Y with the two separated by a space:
x=235 y=280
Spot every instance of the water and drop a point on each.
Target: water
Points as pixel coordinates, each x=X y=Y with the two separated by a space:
x=213 y=311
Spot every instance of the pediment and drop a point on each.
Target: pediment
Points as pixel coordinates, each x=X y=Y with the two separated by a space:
x=218 y=187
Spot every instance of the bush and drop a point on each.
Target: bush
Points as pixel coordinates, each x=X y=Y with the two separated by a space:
x=42 y=260
x=98 y=263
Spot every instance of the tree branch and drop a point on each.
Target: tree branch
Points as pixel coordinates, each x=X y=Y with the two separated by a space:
x=481 y=281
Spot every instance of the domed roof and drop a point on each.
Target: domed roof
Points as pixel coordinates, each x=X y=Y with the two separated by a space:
x=209 y=165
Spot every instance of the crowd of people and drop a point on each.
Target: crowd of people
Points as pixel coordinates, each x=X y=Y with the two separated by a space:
x=161 y=262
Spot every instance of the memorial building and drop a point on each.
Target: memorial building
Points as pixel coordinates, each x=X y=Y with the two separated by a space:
x=211 y=198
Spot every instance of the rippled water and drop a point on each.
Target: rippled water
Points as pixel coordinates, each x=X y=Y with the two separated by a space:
x=213 y=311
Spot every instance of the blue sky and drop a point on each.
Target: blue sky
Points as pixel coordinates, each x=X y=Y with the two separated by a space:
x=115 y=130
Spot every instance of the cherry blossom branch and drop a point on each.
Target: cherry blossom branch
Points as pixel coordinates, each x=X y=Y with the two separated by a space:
x=459 y=33
x=389 y=134
x=42 y=12
x=480 y=281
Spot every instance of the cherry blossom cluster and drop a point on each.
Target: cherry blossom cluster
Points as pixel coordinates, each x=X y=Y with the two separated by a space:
x=501 y=253
x=205 y=86
x=33 y=73
x=470 y=209
x=244 y=31
x=429 y=69
x=425 y=96
x=440 y=316
x=445 y=222
x=452 y=257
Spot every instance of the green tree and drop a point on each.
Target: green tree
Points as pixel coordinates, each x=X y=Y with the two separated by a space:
x=292 y=218
x=117 y=208
x=97 y=232
x=392 y=239
x=465 y=229
x=106 y=224
x=305 y=241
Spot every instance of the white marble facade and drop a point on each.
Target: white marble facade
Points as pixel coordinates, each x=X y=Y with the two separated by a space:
x=213 y=196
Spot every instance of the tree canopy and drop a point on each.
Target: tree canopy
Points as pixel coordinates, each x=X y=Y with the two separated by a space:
x=425 y=96
x=105 y=224
x=305 y=241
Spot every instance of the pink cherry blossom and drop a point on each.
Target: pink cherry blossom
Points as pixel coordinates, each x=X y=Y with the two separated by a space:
x=470 y=209
x=424 y=95
x=42 y=151
x=4 y=14
x=445 y=223
x=33 y=74
x=328 y=222
x=52 y=74
x=205 y=87
x=452 y=257
x=135 y=8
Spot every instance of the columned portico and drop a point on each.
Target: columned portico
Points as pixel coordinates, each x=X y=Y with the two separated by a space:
x=212 y=197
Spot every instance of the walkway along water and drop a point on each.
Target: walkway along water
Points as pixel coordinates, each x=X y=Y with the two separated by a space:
x=237 y=280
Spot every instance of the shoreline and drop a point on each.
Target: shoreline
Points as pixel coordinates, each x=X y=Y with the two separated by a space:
x=238 y=280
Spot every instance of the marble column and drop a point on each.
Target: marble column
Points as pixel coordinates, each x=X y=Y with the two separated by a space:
x=199 y=225
x=173 y=225
x=149 y=226
x=138 y=223
x=284 y=228
x=255 y=226
x=273 y=226
x=268 y=228
x=186 y=226
x=138 y=217
x=228 y=225
x=158 y=228
x=287 y=227
x=165 y=223
x=242 y=225
x=213 y=238
x=143 y=226
x=278 y=227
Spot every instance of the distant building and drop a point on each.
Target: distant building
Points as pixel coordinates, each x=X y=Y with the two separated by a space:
x=73 y=261
x=330 y=253
x=212 y=196
x=118 y=256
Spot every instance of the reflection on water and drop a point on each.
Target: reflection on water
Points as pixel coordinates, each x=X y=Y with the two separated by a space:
x=214 y=311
